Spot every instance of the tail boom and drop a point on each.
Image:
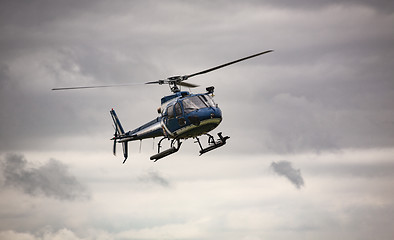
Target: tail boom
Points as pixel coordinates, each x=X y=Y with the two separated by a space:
x=149 y=130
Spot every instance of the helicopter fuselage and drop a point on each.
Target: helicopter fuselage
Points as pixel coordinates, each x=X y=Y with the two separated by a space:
x=182 y=115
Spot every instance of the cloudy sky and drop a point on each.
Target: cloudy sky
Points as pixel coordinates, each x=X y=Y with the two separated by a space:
x=311 y=153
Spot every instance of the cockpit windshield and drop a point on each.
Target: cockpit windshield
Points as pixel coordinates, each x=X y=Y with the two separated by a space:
x=208 y=99
x=193 y=103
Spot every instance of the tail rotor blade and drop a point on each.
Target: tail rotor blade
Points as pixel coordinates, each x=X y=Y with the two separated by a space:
x=115 y=136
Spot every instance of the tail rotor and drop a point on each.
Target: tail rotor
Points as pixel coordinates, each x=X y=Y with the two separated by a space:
x=119 y=135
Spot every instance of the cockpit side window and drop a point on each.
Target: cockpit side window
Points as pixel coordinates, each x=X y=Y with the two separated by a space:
x=170 y=111
x=178 y=109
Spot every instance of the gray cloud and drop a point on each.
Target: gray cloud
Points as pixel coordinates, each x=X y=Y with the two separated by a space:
x=154 y=177
x=285 y=168
x=327 y=87
x=383 y=5
x=52 y=179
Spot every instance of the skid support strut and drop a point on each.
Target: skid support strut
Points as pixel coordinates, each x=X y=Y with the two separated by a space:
x=212 y=143
x=175 y=145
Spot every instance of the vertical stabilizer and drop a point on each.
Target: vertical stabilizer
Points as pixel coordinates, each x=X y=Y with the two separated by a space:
x=115 y=118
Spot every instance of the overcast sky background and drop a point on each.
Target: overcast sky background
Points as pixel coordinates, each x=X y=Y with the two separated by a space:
x=311 y=124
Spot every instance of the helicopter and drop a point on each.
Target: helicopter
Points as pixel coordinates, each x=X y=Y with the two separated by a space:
x=182 y=115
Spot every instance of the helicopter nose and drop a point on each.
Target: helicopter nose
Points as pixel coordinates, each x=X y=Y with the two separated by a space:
x=215 y=116
x=216 y=113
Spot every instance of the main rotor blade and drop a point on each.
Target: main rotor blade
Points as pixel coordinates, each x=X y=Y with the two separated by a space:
x=160 y=82
x=103 y=86
x=177 y=82
x=186 y=84
x=226 y=64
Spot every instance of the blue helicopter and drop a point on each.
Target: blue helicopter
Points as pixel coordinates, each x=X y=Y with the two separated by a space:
x=182 y=115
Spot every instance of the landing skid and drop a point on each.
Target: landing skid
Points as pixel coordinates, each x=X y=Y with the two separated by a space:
x=212 y=143
x=175 y=145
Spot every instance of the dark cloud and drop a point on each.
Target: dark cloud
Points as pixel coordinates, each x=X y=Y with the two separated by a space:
x=52 y=179
x=381 y=5
x=155 y=178
x=285 y=168
x=327 y=86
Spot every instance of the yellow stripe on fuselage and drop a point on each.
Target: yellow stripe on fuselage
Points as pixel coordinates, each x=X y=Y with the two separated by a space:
x=183 y=131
